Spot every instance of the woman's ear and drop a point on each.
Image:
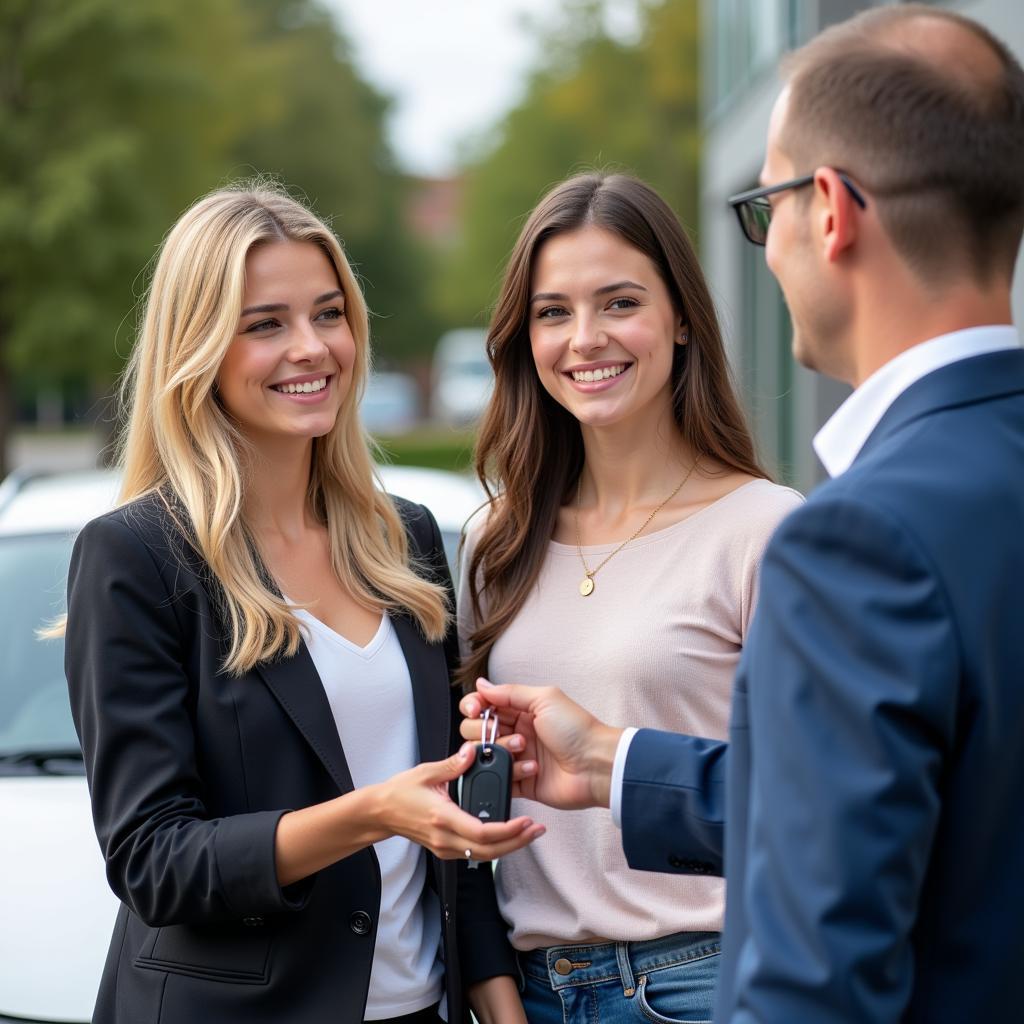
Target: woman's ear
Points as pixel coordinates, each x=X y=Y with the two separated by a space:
x=683 y=333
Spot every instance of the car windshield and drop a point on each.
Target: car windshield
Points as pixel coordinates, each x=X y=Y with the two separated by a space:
x=34 y=712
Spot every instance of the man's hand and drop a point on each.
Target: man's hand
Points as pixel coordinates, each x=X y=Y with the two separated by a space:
x=564 y=754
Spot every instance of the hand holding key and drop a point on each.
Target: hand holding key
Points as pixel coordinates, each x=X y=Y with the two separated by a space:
x=416 y=804
x=571 y=751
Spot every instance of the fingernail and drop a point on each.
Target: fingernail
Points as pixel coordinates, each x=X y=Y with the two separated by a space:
x=466 y=749
x=483 y=682
x=529 y=767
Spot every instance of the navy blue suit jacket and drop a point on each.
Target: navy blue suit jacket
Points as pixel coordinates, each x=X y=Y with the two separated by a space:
x=873 y=784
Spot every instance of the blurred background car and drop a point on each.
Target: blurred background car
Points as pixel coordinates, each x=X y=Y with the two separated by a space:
x=56 y=909
x=462 y=377
x=391 y=403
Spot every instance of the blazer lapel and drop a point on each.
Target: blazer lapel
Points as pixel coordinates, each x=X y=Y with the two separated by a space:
x=429 y=674
x=297 y=687
x=976 y=379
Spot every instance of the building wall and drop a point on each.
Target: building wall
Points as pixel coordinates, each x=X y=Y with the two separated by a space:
x=742 y=42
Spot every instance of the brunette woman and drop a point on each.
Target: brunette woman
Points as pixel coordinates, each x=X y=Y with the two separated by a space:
x=619 y=559
x=236 y=631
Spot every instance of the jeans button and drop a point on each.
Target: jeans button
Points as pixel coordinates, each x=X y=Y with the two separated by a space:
x=563 y=966
x=360 y=922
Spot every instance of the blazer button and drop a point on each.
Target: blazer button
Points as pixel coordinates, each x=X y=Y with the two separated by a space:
x=253 y=922
x=360 y=922
x=675 y=862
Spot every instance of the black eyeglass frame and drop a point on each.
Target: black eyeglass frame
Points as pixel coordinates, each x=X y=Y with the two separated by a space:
x=741 y=199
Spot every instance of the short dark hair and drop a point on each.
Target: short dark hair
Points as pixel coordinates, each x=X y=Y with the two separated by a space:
x=941 y=148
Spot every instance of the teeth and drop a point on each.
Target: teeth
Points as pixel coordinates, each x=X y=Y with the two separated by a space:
x=302 y=389
x=602 y=374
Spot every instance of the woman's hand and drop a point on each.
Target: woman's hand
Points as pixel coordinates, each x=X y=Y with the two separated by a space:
x=416 y=804
x=496 y=1001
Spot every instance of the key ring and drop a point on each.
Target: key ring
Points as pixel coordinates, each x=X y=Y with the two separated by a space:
x=489 y=716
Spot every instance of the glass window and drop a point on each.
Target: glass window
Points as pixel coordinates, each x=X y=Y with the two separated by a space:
x=766 y=33
x=767 y=367
x=747 y=38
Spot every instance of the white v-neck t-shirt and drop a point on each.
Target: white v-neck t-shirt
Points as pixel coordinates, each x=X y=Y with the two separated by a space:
x=370 y=693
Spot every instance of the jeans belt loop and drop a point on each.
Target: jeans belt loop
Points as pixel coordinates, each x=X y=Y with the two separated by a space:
x=625 y=969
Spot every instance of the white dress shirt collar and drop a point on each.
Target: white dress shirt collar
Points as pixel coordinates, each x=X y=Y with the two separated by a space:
x=843 y=436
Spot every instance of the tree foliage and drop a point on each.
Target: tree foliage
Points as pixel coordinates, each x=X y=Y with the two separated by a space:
x=114 y=116
x=594 y=101
x=326 y=138
x=101 y=146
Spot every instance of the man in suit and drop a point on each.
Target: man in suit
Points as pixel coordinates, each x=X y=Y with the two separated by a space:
x=872 y=788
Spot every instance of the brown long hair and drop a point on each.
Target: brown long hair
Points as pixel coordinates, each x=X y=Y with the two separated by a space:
x=530 y=449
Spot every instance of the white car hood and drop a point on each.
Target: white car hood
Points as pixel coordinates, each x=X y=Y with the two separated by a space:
x=56 y=909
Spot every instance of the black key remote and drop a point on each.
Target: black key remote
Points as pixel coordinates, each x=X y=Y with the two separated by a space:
x=487 y=784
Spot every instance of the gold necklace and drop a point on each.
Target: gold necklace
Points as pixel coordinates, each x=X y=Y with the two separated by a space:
x=587 y=583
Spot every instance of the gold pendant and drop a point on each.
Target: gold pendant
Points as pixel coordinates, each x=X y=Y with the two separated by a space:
x=586 y=586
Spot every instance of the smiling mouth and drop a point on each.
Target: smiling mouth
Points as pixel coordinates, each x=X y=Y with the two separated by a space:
x=604 y=373
x=308 y=387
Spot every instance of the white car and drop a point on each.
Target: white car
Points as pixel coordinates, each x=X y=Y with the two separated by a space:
x=390 y=404
x=56 y=909
x=462 y=377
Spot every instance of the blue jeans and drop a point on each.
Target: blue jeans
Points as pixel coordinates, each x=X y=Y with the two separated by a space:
x=660 y=981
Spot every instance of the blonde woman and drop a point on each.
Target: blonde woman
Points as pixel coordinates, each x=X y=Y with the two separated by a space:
x=236 y=631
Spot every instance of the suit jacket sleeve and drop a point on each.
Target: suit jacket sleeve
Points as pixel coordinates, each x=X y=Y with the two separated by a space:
x=852 y=672
x=673 y=803
x=166 y=856
x=484 y=949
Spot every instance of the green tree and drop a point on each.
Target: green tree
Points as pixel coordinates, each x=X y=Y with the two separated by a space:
x=326 y=139
x=594 y=101
x=112 y=117
x=115 y=116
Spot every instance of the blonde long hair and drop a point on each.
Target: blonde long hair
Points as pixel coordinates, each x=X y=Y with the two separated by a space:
x=181 y=443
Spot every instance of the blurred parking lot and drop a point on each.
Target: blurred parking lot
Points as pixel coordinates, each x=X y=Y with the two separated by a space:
x=53 y=451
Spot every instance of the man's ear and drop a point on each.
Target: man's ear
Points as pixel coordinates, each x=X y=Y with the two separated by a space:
x=835 y=213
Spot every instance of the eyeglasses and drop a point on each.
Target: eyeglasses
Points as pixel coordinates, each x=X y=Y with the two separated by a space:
x=755 y=211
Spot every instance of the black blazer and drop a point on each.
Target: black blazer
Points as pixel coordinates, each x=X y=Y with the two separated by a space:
x=189 y=772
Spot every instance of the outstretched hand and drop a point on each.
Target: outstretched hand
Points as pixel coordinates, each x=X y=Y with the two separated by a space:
x=564 y=754
x=416 y=804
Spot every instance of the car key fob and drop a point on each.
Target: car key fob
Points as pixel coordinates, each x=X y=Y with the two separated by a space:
x=487 y=784
x=486 y=790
